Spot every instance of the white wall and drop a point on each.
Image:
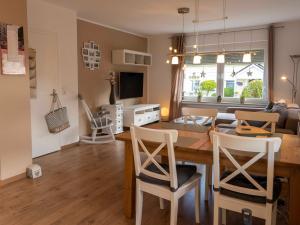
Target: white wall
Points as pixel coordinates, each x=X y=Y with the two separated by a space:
x=159 y=73
x=287 y=42
x=53 y=33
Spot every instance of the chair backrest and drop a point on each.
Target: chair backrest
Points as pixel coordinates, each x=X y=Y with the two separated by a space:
x=259 y=147
x=87 y=111
x=193 y=113
x=165 y=138
x=269 y=118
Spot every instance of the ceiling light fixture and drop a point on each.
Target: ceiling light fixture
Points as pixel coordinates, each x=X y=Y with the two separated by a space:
x=221 y=57
x=247 y=55
x=197 y=57
x=175 y=60
x=174 y=52
x=247 y=58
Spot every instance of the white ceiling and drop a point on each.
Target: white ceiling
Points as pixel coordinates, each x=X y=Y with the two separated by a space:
x=149 y=17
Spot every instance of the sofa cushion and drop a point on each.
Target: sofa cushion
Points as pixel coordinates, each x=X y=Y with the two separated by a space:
x=281 y=109
x=292 y=119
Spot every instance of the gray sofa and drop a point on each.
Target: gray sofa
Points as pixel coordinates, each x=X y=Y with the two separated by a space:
x=290 y=123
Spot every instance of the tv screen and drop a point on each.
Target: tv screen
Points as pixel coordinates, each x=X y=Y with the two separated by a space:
x=131 y=85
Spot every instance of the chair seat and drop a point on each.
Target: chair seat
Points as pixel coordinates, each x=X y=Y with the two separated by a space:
x=241 y=181
x=184 y=173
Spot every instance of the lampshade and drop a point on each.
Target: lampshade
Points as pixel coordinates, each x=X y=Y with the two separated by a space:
x=175 y=60
x=221 y=58
x=247 y=58
x=197 y=59
x=284 y=78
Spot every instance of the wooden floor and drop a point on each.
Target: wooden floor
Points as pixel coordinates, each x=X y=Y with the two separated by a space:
x=83 y=185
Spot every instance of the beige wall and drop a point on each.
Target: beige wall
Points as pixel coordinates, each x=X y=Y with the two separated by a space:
x=53 y=34
x=15 y=136
x=92 y=84
x=287 y=42
x=160 y=72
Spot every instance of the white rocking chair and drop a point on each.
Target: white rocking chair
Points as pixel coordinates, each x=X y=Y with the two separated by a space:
x=101 y=126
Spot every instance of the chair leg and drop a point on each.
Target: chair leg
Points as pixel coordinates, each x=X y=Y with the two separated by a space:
x=139 y=206
x=111 y=133
x=94 y=134
x=269 y=214
x=216 y=209
x=207 y=180
x=223 y=216
x=161 y=203
x=197 y=203
x=174 y=211
x=274 y=214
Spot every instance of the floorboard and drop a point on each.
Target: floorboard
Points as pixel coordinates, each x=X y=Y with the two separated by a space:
x=83 y=186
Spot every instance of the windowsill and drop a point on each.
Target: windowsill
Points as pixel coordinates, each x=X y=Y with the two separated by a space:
x=225 y=104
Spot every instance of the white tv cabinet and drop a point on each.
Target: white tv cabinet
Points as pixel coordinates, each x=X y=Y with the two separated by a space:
x=141 y=114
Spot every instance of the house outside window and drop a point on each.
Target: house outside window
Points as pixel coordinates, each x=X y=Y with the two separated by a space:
x=230 y=80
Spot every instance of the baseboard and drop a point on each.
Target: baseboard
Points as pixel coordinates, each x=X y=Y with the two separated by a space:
x=12 y=179
x=64 y=147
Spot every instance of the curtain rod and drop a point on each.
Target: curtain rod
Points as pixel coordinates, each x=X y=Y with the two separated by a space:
x=233 y=31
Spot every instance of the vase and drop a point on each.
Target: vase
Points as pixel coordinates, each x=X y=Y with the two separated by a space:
x=219 y=99
x=112 y=96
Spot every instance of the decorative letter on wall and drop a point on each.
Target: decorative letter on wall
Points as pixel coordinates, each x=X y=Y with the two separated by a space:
x=32 y=72
x=12 y=49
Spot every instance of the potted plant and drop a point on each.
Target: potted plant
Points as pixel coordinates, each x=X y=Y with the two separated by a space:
x=242 y=99
x=199 y=95
x=219 y=99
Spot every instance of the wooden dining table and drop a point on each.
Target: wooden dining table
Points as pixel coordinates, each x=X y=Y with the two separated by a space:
x=194 y=145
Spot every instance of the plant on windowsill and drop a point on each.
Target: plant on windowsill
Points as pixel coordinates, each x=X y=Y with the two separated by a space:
x=242 y=99
x=199 y=94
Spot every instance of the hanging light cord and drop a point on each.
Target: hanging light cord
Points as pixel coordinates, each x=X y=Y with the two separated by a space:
x=224 y=23
x=196 y=23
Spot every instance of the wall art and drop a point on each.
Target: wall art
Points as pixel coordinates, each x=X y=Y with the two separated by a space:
x=91 y=55
x=12 y=49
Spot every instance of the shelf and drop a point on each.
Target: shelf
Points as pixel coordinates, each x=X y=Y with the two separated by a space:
x=130 y=57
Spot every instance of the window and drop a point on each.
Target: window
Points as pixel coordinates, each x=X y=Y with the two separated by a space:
x=202 y=77
x=230 y=80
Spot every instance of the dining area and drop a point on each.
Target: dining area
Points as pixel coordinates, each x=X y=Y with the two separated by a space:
x=246 y=167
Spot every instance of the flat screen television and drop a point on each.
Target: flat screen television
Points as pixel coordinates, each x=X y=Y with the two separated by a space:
x=131 y=85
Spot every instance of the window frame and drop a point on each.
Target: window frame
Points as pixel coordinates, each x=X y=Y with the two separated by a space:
x=220 y=86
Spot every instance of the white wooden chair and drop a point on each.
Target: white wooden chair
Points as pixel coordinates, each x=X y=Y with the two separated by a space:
x=101 y=126
x=209 y=115
x=194 y=113
x=169 y=182
x=239 y=190
x=269 y=118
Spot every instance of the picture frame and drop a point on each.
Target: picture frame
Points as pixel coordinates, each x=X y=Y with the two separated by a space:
x=91 y=55
x=85 y=51
x=12 y=62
